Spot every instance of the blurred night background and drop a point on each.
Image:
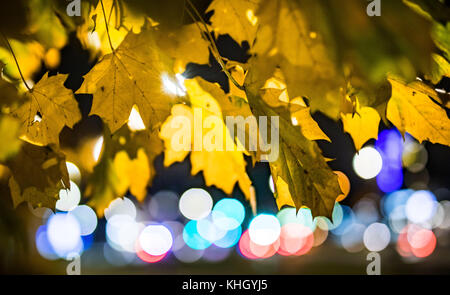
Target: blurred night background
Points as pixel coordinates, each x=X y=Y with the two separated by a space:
x=398 y=205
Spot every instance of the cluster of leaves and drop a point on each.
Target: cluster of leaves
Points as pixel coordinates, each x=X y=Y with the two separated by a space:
x=306 y=56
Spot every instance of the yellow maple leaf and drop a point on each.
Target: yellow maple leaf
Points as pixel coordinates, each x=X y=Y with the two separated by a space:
x=236 y=18
x=275 y=94
x=185 y=45
x=132 y=75
x=133 y=173
x=49 y=108
x=213 y=150
x=361 y=125
x=300 y=171
x=126 y=164
x=411 y=110
x=38 y=174
x=286 y=41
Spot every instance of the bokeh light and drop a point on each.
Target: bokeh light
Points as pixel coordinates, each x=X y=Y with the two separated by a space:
x=69 y=198
x=122 y=232
x=390 y=146
x=216 y=254
x=230 y=239
x=295 y=239
x=367 y=163
x=347 y=221
x=420 y=206
x=264 y=229
x=415 y=156
x=43 y=245
x=209 y=230
x=228 y=214
x=86 y=218
x=192 y=237
x=353 y=240
x=366 y=211
x=156 y=239
x=163 y=206
x=64 y=234
x=120 y=206
x=195 y=203
x=377 y=237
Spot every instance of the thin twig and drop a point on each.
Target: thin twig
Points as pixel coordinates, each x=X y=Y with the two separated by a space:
x=213 y=47
x=106 y=25
x=17 y=63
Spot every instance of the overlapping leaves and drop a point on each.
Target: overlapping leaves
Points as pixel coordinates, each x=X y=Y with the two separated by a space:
x=306 y=56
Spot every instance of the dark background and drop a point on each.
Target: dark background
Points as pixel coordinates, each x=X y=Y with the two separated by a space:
x=327 y=258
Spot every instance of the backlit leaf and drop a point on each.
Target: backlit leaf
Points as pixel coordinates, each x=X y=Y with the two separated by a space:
x=411 y=110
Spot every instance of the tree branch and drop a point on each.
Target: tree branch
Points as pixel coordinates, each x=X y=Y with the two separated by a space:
x=17 y=63
x=213 y=47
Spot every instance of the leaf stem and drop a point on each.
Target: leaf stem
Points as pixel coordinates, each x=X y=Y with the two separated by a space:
x=106 y=25
x=213 y=47
x=17 y=63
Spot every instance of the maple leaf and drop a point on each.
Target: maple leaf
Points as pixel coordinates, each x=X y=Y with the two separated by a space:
x=303 y=170
x=38 y=174
x=214 y=163
x=236 y=18
x=104 y=185
x=286 y=41
x=411 y=110
x=185 y=45
x=126 y=164
x=275 y=95
x=49 y=108
x=132 y=75
x=362 y=124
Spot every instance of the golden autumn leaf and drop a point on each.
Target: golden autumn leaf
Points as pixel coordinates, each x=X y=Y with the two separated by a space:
x=186 y=45
x=49 y=108
x=132 y=75
x=286 y=40
x=282 y=195
x=38 y=174
x=126 y=164
x=300 y=164
x=411 y=110
x=133 y=173
x=303 y=57
x=300 y=113
x=344 y=184
x=309 y=127
x=236 y=18
x=210 y=146
x=362 y=125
